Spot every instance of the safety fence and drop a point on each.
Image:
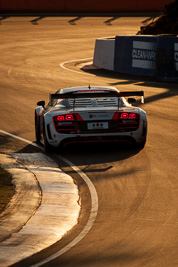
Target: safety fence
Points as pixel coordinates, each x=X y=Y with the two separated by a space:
x=155 y=56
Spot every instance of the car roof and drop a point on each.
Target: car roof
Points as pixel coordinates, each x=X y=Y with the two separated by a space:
x=86 y=88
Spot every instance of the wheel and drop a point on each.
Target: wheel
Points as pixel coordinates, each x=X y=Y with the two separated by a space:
x=141 y=145
x=37 y=129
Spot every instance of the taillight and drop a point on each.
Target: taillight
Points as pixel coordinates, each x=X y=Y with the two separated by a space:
x=126 y=116
x=132 y=116
x=67 y=117
x=60 y=118
x=65 y=123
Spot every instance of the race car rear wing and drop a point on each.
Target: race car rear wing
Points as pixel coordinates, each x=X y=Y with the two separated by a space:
x=91 y=94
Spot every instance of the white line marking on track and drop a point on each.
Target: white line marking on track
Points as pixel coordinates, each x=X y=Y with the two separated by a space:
x=91 y=220
x=94 y=204
x=20 y=138
x=82 y=59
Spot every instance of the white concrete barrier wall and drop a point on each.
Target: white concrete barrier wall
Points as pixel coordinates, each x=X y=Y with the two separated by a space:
x=104 y=53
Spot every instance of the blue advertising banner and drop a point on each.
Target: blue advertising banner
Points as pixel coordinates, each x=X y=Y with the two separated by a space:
x=167 y=58
x=135 y=55
x=123 y=54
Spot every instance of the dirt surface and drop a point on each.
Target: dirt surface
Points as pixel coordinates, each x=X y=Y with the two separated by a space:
x=6 y=189
x=167 y=23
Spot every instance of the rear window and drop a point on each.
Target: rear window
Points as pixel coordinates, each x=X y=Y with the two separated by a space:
x=95 y=102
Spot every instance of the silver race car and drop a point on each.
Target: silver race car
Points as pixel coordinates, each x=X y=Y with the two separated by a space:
x=90 y=114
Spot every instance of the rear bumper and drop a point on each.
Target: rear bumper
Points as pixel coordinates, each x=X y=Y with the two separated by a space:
x=56 y=139
x=96 y=139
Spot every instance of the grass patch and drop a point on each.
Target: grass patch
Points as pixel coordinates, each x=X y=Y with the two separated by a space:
x=7 y=189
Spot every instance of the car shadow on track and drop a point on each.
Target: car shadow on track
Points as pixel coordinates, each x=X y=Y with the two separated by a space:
x=78 y=154
x=88 y=154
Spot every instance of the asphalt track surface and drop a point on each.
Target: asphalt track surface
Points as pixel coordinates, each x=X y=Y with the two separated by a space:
x=137 y=220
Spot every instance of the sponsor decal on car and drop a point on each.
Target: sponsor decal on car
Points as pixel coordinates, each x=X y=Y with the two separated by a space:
x=98 y=116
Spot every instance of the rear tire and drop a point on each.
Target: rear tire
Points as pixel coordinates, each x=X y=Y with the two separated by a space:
x=37 y=129
x=141 y=145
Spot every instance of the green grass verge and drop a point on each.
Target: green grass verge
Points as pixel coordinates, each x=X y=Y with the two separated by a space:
x=7 y=189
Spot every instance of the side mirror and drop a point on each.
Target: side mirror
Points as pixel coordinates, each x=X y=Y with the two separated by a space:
x=41 y=103
x=131 y=100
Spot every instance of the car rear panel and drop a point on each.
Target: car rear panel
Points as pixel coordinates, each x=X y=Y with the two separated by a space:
x=92 y=122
